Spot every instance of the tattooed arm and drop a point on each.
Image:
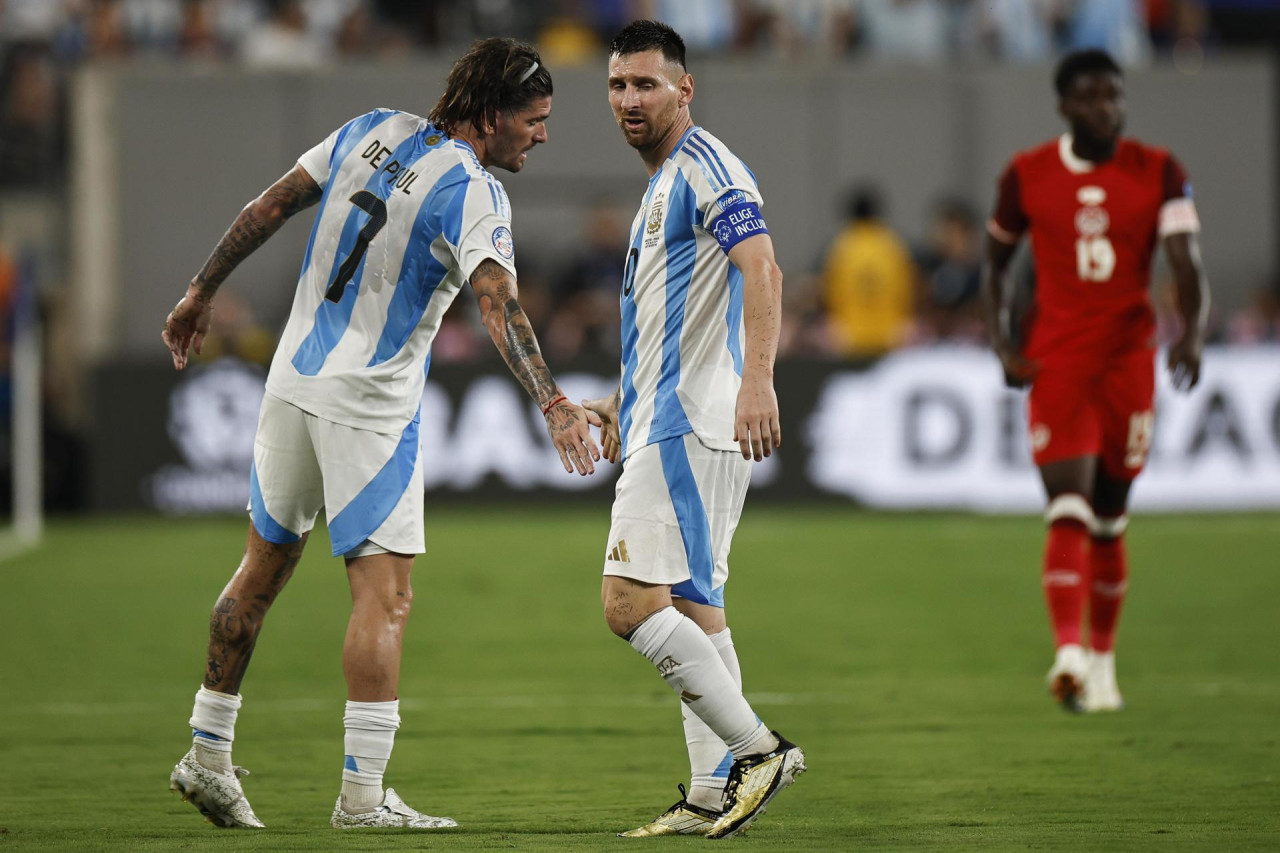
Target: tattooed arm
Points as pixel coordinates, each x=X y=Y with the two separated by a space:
x=509 y=328
x=187 y=324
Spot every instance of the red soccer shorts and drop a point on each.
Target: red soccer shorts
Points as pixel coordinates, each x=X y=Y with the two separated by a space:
x=1095 y=411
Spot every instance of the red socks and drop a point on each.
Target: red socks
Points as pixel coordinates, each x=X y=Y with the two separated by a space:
x=1066 y=571
x=1106 y=591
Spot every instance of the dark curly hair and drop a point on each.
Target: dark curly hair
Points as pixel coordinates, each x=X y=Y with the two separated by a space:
x=495 y=75
x=1082 y=62
x=639 y=36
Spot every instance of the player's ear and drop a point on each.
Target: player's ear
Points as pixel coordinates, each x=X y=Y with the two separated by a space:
x=685 y=88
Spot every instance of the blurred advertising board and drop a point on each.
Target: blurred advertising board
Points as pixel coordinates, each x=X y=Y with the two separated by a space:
x=927 y=428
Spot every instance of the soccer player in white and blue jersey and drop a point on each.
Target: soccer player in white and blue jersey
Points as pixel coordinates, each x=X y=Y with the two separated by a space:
x=407 y=214
x=701 y=307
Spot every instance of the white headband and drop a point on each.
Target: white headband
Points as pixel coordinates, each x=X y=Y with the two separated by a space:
x=529 y=73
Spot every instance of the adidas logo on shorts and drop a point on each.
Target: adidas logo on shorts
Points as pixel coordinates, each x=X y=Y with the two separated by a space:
x=619 y=552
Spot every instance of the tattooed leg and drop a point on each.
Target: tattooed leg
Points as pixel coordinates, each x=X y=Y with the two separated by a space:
x=237 y=617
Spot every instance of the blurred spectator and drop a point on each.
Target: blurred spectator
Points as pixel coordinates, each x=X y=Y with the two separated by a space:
x=1116 y=26
x=1012 y=30
x=568 y=40
x=584 y=300
x=30 y=118
x=283 y=42
x=1258 y=322
x=235 y=331
x=950 y=266
x=707 y=26
x=915 y=30
x=796 y=27
x=868 y=282
x=805 y=331
x=197 y=36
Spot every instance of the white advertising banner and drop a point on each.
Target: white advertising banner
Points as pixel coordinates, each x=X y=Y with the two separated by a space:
x=937 y=428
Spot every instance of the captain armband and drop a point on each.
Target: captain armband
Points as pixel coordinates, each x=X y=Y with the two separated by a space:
x=736 y=224
x=1178 y=216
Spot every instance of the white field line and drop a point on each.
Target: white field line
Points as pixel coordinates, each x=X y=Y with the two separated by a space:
x=299 y=706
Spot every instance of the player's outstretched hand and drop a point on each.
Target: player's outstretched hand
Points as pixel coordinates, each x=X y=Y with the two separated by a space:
x=186 y=326
x=757 y=426
x=603 y=413
x=1018 y=370
x=1184 y=363
x=571 y=434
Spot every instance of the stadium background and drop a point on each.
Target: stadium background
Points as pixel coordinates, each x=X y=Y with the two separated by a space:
x=131 y=131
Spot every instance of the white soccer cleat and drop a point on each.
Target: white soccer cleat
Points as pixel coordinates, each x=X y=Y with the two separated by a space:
x=1066 y=678
x=218 y=796
x=753 y=782
x=394 y=813
x=683 y=818
x=1101 y=691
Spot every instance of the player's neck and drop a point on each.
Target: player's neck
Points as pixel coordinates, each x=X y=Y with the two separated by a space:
x=470 y=136
x=656 y=156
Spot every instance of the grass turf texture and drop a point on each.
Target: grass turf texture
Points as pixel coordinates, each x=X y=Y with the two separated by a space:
x=905 y=653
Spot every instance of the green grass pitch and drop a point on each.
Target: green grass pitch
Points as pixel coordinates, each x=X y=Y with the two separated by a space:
x=905 y=653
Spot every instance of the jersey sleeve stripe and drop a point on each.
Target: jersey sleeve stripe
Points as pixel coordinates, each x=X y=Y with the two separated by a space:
x=707 y=171
x=704 y=157
x=1000 y=234
x=493 y=196
x=1178 y=216
x=712 y=150
x=353 y=132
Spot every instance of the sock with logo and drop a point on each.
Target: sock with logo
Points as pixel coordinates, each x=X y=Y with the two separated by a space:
x=213 y=728
x=370 y=735
x=1066 y=566
x=709 y=758
x=688 y=661
x=1106 y=592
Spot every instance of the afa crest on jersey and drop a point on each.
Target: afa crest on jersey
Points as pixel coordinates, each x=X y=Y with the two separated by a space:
x=653 y=224
x=504 y=242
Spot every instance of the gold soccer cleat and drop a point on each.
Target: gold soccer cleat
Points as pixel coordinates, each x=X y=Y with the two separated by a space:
x=681 y=819
x=753 y=782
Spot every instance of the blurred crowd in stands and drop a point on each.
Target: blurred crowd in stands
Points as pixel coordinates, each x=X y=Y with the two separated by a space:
x=308 y=33
x=41 y=39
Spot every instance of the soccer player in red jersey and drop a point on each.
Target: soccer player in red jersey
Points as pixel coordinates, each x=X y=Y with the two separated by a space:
x=1096 y=204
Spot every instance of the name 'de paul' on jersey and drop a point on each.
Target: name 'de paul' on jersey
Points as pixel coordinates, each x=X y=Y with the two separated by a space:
x=376 y=151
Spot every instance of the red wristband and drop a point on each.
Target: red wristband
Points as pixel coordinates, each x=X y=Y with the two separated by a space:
x=552 y=404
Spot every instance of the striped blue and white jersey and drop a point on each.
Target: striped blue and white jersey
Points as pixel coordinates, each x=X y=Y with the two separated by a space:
x=682 y=330
x=406 y=216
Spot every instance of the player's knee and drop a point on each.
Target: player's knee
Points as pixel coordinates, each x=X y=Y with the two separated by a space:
x=1109 y=528
x=619 y=618
x=391 y=607
x=1070 y=508
x=622 y=614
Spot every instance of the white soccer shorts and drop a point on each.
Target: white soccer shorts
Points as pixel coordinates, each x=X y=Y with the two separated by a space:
x=677 y=505
x=369 y=483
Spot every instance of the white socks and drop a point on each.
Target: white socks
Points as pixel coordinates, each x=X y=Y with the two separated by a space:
x=709 y=758
x=213 y=728
x=688 y=661
x=370 y=734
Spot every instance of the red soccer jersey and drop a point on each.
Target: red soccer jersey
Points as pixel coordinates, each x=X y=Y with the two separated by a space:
x=1093 y=232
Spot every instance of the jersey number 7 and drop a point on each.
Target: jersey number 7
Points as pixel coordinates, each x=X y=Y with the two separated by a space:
x=377 y=210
